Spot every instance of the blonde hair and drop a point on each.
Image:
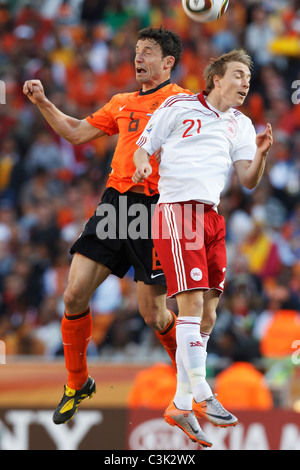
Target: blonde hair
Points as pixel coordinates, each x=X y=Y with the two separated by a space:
x=218 y=66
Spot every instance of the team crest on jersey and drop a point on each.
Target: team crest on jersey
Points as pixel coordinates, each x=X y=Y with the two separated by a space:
x=154 y=105
x=231 y=129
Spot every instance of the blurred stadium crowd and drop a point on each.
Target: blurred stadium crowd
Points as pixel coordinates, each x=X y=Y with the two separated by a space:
x=82 y=51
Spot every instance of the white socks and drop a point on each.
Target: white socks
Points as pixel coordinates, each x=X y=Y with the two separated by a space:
x=205 y=338
x=191 y=363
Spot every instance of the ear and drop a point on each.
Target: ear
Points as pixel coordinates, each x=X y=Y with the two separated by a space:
x=217 y=81
x=169 y=61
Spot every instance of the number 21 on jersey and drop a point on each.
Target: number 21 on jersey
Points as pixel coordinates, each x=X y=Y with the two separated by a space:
x=192 y=127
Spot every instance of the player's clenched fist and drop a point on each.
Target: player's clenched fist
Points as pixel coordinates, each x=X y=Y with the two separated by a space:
x=142 y=173
x=34 y=90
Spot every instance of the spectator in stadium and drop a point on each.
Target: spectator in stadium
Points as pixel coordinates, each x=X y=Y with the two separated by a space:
x=242 y=387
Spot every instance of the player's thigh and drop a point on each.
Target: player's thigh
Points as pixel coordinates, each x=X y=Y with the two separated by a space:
x=216 y=253
x=84 y=277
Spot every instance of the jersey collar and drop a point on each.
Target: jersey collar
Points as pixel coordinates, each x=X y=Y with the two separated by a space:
x=201 y=98
x=167 y=82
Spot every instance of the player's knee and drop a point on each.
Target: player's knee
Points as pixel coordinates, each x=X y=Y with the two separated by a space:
x=75 y=300
x=190 y=303
x=208 y=320
x=154 y=315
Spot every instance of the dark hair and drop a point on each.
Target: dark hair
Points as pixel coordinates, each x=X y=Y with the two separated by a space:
x=170 y=43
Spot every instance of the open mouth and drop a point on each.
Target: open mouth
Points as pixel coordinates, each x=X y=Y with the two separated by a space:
x=140 y=70
x=242 y=93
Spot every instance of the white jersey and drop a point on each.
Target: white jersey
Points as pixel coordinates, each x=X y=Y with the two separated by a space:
x=199 y=144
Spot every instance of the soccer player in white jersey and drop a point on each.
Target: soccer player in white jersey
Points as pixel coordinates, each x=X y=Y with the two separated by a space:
x=200 y=137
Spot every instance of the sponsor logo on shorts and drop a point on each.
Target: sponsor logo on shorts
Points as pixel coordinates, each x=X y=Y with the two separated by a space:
x=153 y=276
x=196 y=274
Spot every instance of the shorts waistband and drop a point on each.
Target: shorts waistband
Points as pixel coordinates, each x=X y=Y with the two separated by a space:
x=137 y=189
x=133 y=194
x=206 y=207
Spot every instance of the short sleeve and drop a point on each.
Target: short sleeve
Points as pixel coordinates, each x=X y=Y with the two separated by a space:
x=246 y=143
x=157 y=130
x=104 y=118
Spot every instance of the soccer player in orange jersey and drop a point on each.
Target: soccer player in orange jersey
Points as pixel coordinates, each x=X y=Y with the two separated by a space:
x=97 y=255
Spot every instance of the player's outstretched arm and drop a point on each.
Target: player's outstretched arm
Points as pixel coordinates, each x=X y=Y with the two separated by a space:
x=143 y=167
x=250 y=172
x=74 y=130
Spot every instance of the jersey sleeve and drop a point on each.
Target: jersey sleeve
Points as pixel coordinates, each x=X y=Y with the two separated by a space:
x=246 y=146
x=104 y=118
x=157 y=130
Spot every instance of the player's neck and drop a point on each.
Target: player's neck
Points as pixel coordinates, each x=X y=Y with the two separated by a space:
x=217 y=102
x=154 y=84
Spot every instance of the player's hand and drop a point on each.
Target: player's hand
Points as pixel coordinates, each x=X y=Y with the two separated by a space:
x=264 y=140
x=35 y=91
x=142 y=173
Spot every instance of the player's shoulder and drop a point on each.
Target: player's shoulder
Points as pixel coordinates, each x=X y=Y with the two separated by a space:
x=124 y=97
x=179 y=100
x=173 y=89
x=176 y=89
x=240 y=117
x=119 y=101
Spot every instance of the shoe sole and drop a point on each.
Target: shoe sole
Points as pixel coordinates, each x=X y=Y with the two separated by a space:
x=169 y=420
x=200 y=415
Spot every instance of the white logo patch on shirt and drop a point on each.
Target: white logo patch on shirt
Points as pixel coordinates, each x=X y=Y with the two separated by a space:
x=231 y=129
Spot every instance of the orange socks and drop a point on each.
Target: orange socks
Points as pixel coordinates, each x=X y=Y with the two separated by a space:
x=76 y=334
x=167 y=337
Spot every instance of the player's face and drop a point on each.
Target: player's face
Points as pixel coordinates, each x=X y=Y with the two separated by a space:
x=234 y=85
x=150 y=66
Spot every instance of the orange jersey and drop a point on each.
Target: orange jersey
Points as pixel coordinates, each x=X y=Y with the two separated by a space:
x=127 y=114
